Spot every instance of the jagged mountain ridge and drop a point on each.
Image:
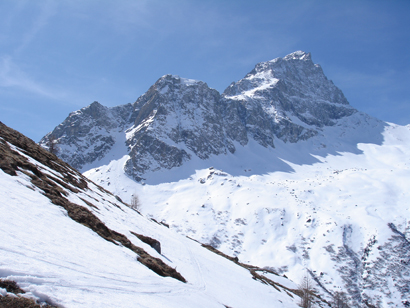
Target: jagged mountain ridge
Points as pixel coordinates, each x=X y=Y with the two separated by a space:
x=177 y=120
x=292 y=87
x=88 y=134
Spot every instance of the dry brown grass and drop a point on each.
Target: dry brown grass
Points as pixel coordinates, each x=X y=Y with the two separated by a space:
x=17 y=301
x=56 y=190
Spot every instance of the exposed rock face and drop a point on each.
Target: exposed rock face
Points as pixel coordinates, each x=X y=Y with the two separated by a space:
x=289 y=98
x=88 y=134
x=176 y=119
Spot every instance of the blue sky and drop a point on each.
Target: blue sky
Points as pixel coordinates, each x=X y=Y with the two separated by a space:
x=60 y=56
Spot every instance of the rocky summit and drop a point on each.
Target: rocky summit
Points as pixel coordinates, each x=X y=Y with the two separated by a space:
x=177 y=120
x=288 y=98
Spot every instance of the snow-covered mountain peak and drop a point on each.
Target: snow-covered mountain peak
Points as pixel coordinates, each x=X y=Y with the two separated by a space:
x=177 y=119
x=189 y=82
x=181 y=120
x=94 y=110
x=177 y=82
x=298 y=55
x=95 y=106
x=295 y=76
x=292 y=96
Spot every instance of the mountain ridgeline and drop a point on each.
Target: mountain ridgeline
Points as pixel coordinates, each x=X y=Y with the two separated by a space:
x=284 y=100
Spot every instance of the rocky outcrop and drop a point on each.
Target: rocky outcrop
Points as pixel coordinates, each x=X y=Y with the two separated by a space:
x=178 y=118
x=88 y=134
x=289 y=98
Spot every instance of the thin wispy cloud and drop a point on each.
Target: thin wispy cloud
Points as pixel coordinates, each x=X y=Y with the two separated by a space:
x=47 y=10
x=12 y=76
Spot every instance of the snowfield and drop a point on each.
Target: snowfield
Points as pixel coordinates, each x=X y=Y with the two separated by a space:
x=322 y=216
x=62 y=262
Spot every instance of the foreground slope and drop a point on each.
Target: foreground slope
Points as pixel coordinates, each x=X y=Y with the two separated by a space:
x=68 y=242
x=345 y=218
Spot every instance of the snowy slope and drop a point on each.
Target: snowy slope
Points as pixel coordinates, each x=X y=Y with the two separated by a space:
x=57 y=230
x=345 y=216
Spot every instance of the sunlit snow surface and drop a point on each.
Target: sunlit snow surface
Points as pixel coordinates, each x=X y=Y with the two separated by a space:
x=292 y=219
x=58 y=260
